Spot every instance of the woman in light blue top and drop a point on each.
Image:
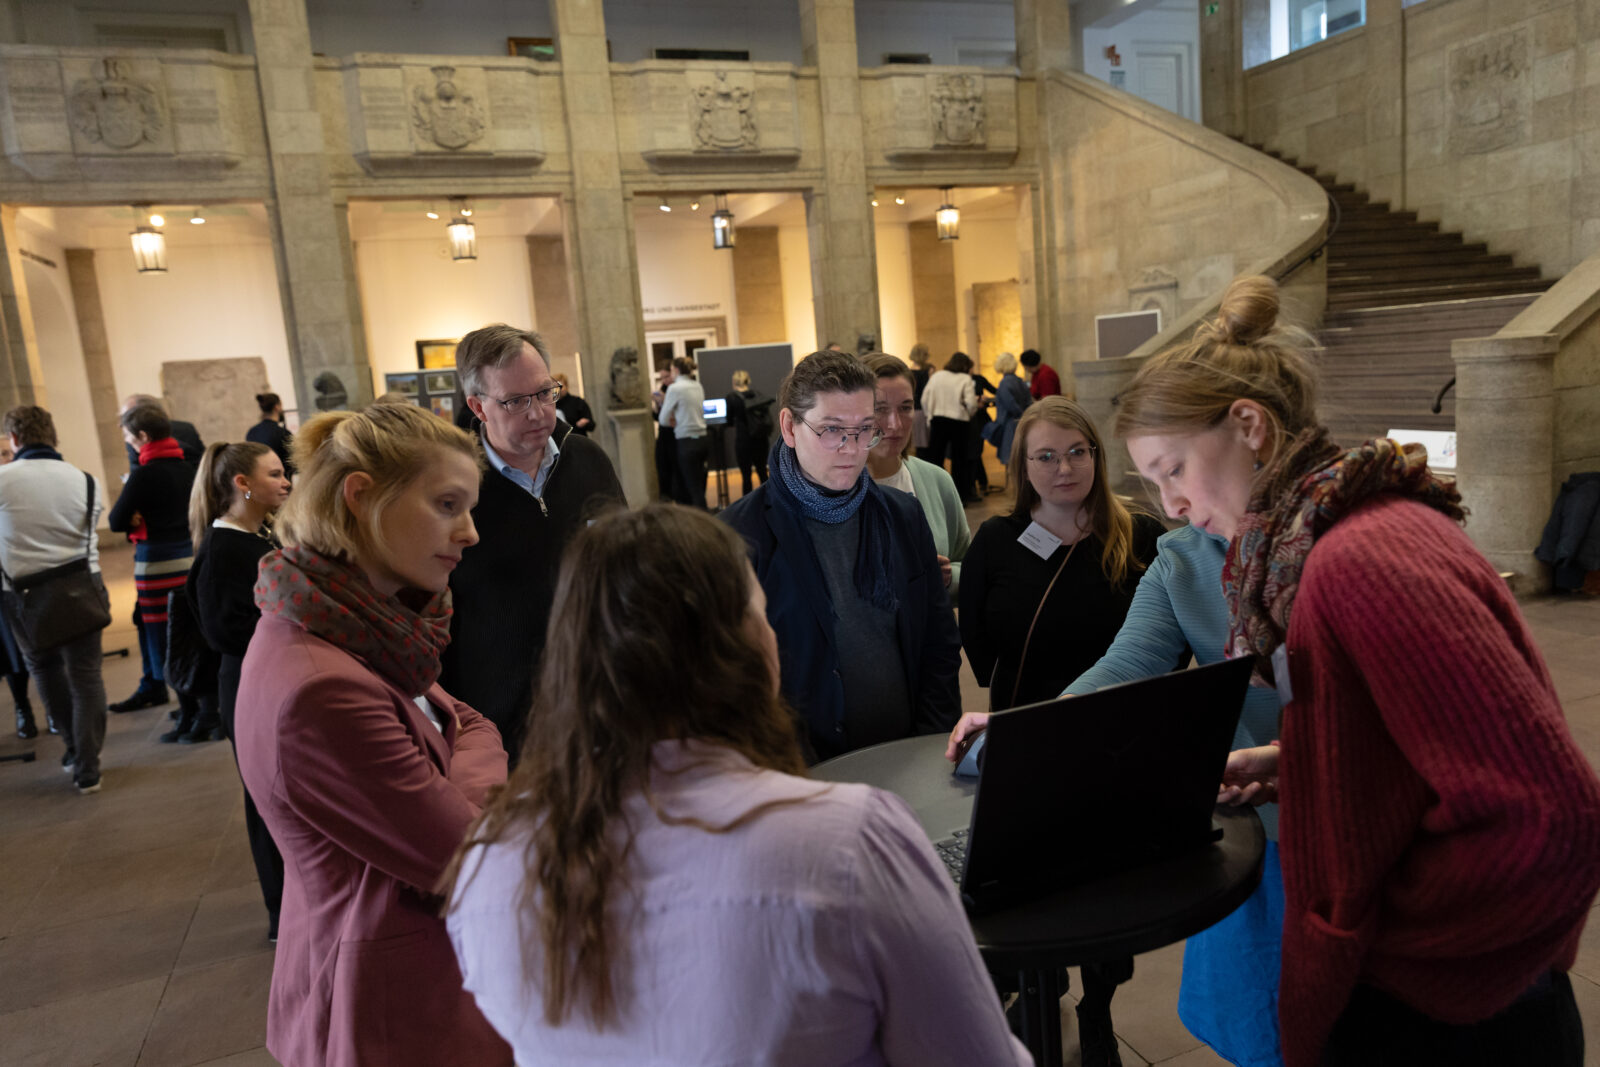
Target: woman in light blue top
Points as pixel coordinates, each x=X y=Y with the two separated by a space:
x=1011 y=399
x=1229 y=997
x=891 y=464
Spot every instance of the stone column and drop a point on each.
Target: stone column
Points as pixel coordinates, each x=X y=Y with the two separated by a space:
x=1044 y=49
x=310 y=231
x=1505 y=447
x=21 y=381
x=553 y=313
x=1098 y=382
x=103 y=399
x=601 y=253
x=839 y=226
x=1222 y=66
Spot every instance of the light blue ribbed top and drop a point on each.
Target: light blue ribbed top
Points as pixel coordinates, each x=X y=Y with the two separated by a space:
x=1178 y=603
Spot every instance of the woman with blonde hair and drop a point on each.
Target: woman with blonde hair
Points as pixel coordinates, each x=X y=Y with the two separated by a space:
x=238 y=488
x=660 y=883
x=1439 y=829
x=366 y=772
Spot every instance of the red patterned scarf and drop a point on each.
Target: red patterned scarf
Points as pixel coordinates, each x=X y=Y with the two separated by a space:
x=399 y=637
x=1310 y=486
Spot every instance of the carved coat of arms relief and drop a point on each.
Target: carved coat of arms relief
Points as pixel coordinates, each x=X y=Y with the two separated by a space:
x=958 y=111
x=114 y=109
x=724 y=118
x=445 y=115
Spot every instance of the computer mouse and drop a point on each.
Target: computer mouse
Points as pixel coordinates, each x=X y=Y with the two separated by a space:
x=970 y=764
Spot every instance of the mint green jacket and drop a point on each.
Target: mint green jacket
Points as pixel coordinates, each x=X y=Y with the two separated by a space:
x=947 y=518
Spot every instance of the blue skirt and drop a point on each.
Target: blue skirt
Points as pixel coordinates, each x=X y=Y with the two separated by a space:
x=1229 y=995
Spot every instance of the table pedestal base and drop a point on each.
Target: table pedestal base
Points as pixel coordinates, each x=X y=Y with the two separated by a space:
x=1040 y=1005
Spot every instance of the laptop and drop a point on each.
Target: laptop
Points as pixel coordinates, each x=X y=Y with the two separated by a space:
x=1073 y=789
x=715 y=410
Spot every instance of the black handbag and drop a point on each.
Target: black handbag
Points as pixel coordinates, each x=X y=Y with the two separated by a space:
x=61 y=604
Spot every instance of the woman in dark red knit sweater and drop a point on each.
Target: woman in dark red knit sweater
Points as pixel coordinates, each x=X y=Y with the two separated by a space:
x=1440 y=830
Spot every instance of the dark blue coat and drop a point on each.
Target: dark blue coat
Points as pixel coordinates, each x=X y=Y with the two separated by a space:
x=801 y=613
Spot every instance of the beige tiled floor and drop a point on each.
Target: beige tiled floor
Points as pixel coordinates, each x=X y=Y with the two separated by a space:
x=132 y=932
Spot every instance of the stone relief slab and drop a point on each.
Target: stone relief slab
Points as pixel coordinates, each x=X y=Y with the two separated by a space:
x=687 y=116
x=439 y=115
x=922 y=117
x=1491 y=93
x=1156 y=288
x=217 y=395
x=73 y=112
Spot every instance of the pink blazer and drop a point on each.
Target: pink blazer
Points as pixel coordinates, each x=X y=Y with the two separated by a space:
x=367 y=800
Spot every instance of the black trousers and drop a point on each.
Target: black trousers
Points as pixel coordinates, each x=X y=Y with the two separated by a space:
x=263 y=850
x=947 y=439
x=667 y=476
x=749 y=455
x=692 y=455
x=1543 y=1028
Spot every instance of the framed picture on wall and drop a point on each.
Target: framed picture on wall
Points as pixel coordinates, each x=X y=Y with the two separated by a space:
x=443 y=406
x=441 y=381
x=409 y=384
x=440 y=355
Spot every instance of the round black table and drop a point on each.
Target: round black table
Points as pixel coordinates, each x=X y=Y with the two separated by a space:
x=1121 y=915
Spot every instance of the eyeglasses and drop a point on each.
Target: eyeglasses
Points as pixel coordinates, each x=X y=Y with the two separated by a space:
x=833 y=438
x=1077 y=458
x=516 y=405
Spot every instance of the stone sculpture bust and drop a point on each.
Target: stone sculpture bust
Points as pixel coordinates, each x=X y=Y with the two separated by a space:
x=331 y=394
x=627 y=389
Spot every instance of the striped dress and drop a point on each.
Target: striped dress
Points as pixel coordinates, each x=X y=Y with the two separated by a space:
x=158 y=570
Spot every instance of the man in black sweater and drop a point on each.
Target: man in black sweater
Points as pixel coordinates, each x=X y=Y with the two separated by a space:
x=543 y=485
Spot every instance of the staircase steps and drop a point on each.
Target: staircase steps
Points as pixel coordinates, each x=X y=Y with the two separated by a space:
x=1400 y=291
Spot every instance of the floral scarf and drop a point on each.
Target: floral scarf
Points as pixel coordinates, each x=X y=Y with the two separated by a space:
x=400 y=638
x=1311 y=486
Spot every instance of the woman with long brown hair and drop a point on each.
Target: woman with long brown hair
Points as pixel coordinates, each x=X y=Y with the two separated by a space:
x=659 y=873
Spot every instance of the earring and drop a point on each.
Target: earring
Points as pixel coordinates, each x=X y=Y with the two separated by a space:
x=247 y=492
x=1256 y=467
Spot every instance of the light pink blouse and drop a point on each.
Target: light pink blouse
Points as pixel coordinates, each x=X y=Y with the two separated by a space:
x=819 y=933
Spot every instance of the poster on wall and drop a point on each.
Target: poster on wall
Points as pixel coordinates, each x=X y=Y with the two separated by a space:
x=407 y=384
x=437 y=355
x=441 y=383
x=434 y=390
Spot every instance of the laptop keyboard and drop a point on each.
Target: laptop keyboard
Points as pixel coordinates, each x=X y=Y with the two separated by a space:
x=953 y=851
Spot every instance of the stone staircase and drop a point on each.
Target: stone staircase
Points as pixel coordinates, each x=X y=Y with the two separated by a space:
x=1399 y=292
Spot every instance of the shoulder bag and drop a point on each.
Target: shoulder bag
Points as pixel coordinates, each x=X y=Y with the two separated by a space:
x=56 y=606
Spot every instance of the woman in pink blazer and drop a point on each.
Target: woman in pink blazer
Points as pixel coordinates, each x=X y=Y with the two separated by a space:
x=365 y=770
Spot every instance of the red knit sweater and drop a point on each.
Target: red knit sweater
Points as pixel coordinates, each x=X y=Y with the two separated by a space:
x=1440 y=830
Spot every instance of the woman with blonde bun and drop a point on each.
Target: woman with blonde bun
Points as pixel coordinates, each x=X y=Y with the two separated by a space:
x=367 y=772
x=1439 y=828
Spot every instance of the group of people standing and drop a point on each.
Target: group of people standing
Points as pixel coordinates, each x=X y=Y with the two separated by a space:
x=953 y=403
x=475 y=683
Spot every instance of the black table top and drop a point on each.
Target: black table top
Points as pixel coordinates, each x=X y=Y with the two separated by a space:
x=1121 y=915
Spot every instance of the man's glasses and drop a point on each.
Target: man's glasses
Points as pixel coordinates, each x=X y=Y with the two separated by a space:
x=833 y=438
x=516 y=405
x=1077 y=457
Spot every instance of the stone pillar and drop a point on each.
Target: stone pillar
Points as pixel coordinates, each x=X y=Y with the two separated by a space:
x=554 y=315
x=839 y=225
x=1222 y=105
x=1044 y=49
x=103 y=399
x=310 y=231
x=21 y=381
x=601 y=253
x=758 y=286
x=1098 y=382
x=1505 y=447
x=933 y=291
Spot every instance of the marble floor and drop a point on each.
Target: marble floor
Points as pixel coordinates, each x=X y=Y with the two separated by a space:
x=132 y=931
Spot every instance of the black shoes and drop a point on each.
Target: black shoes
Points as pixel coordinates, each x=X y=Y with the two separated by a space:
x=142 y=698
x=26 y=728
x=1097 y=1042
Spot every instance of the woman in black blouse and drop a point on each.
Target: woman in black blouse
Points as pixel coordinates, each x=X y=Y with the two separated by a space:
x=238 y=487
x=271 y=431
x=1062 y=565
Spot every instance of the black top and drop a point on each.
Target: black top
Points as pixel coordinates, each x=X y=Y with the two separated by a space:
x=573 y=409
x=188 y=439
x=159 y=492
x=920 y=376
x=1001 y=583
x=505 y=583
x=274 y=435
x=221 y=588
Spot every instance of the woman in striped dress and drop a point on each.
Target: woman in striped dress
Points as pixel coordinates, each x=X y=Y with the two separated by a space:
x=154 y=511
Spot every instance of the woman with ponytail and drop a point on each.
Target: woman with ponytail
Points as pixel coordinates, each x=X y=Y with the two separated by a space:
x=1439 y=829
x=236 y=491
x=365 y=770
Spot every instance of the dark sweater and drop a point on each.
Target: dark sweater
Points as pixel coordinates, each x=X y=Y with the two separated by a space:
x=222 y=585
x=159 y=492
x=275 y=436
x=1001 y=583
x=506 y=582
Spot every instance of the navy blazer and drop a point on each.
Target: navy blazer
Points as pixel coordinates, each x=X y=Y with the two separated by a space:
x=801 y=613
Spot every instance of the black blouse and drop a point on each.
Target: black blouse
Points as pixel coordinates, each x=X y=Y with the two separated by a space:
x=1001 y=583
x=222 y=585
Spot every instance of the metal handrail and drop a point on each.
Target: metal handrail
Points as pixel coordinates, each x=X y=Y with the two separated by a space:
x=1438 y=401
x=1335 y=216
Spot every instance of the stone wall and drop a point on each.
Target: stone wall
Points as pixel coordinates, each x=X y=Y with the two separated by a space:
x=1481 y=115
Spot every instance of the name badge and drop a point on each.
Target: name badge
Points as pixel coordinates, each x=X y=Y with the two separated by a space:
x=1039 y=541
x=1280 y=673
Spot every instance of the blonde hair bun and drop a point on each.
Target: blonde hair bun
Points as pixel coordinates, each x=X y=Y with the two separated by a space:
x=1249 y=311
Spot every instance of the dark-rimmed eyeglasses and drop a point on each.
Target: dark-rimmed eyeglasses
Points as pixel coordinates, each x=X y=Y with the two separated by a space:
x=833 y=438
x=516 y=405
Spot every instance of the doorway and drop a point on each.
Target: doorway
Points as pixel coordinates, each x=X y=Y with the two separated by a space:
x=665 y=345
